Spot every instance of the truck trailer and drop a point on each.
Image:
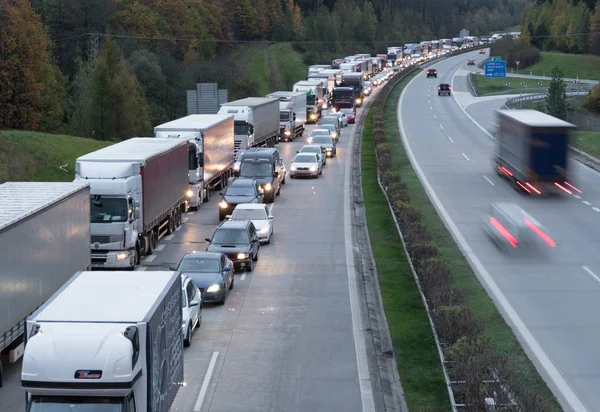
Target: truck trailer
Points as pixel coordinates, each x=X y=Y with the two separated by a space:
x=256 y=122
x=210 y=143
x=44 y=239
x=121 y=350
x=356 y=81
x=292 y=114
x=315 y=98
x=138 y=195
x=532 y=152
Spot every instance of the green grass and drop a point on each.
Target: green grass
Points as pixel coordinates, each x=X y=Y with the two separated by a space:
x=495 y=328
x=487 y=86
x=275 y=67
x=31 y=156
x=417 y=358
x=589 y=142
x=572 y=65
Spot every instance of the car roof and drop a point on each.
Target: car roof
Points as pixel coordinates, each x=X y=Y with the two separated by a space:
x=320 y=130
x=307 y=154
x=243 y=181
x=310 y=146
x=234 y=224
x=260 y=206
x=199 y=254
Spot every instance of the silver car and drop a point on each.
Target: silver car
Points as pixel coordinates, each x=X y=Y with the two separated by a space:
x=306 y=164
x=318 y=132
x=316 y=149
x=335 y=134
x=341 y=117
x=327 y=143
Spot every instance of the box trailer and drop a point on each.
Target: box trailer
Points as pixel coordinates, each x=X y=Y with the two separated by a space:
x=292 y=114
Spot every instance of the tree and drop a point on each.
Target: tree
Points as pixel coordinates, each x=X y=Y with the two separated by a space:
x=594 y=40
x=556 y=101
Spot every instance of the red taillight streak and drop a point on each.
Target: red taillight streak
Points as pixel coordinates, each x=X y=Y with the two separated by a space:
x=572 y=187
x=505 y=233
x=533 y=188
x=540 y=233
x=563 y=188
x=505 y=171
x=523 y=186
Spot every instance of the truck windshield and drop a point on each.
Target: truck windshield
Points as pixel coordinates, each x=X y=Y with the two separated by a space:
x=344 y=94
x=248 y=169
x=240 y=128
x=284 y=117
x=74 y=404
x=109 y=209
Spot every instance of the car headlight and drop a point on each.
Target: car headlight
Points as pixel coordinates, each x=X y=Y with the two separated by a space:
x=293 y=168
x=334 y=134
x=236 y=167
x=223 y=204
x=189 y=193
x=213 y=288
x=263 y=230
x=268 y=187
x=309 y=140
x=242 y=256
x=313 y=116
x=122 y=255
x=313 y=168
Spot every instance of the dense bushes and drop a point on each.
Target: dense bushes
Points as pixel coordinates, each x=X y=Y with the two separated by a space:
x=592 y=101
x=470 y=355
x=512 y=52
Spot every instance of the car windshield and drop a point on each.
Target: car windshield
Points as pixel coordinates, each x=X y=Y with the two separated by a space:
x=329 y=120
x=240 y=190
x=320 y=133
x=329 y=127
x=199 y=264
x=230 y=237
x=321 y=139
x=347 y=111
x=109 y=209
x=74 y=404
x=305 y=159
x=284 y=117
x=249 y=214
x=248 y=169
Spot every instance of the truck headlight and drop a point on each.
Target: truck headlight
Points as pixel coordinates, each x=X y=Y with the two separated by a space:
x=223 y=204
x=122 y=255
x=213 y=288
x=358 y=101
x=242 y=256
x=313 y=168
x=268 y=187
x=313 y=116
x=189 y=193
x=287 y=133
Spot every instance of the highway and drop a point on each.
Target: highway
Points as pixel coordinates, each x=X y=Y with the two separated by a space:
x=549 y=296
x=290 y=337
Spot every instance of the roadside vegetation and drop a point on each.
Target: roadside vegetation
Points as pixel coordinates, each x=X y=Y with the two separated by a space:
x=584 y=66
x=41 y=157
x=487 y=86
x=475 y=338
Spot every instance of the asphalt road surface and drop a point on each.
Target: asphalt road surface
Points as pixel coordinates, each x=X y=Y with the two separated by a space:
x=550 y=297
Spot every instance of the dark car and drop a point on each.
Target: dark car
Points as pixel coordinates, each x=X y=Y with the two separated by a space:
x=211 y=272
x=445 y=89
x=431 y=73
x=240 y=190
x=238 y=240
x=471 y=63
x=266 y=166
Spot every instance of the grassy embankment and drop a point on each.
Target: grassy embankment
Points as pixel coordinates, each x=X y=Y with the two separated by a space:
x=31 y=156
x=486 y=86
x=417 y=358
x=398 y=289
x=584 y=66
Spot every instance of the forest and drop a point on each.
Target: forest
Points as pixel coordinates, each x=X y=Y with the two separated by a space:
x=111 y=69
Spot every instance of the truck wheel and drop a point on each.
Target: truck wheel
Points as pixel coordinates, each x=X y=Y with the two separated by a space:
x=138 y=257
x=178 y=218
x=151 y=243
x=207 y=197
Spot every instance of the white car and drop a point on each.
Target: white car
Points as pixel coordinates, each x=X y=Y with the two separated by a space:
x=318 y=132
x=307 y=164
x=341 y=117
x=259 y=215
x=191 y=309
x=316 y=149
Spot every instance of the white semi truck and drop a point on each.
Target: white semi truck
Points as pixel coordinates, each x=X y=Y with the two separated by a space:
x=256 y=122
x=292 y=114
x=44 y=239
x=138 y=195
x=106 y=341
x=210 y=142
x=314 y=98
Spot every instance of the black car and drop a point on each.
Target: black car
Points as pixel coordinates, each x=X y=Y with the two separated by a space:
x=211 y=272
x=471 y=63
x=238 y=240
x=240 y=190
x=445 y=89
x=431 y=73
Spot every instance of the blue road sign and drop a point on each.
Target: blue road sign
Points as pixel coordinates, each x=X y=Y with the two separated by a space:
x=495 y=69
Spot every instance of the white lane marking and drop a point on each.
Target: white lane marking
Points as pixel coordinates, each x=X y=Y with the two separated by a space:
x=204 y=388
x=430 y=108
x=568 y=396
x=149 y=259
x=434 y=116
x=160 y=248
x=592 y=274
x=577 y=196
x=441 y=127
x=596 y=209
x=429 y=101
x=585 y=202
x=178 y=228
x=271 y=206
x=243 y=276
x=364 y=377
x=142 y=268
x=465 y=110
x=488 y=180
x=168 y=237
x=449 y=138
x=185 y=219
x=466 y=157
x=190 y=213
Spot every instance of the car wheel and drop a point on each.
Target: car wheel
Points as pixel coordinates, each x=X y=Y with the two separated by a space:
x=232 y=283
x=224 y=297
x=255 y=258
x=283 y=181
x=292 y=176
x=250 y=267
x=187 y=341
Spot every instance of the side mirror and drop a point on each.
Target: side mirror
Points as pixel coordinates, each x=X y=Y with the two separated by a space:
x=270 y=217
x=221 y=194
x=136 y=214
x=194 y=302
x=136 y=203
x=228 y=217
x=297 y=151
x=173 y=268
x=227 y=269
x=207 y=239
x=275 y=173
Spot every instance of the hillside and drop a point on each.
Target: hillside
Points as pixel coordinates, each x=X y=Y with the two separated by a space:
x=31 y=156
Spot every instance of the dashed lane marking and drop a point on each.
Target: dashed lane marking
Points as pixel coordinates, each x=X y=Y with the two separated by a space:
x=488 y=180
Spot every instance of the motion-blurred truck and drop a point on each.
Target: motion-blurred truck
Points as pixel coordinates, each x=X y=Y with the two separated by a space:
x=532 y=152
x=292 y=114
x=314 y=98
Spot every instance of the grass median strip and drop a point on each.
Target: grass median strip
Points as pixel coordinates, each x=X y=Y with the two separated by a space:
x=463 y=278
x=418 y=361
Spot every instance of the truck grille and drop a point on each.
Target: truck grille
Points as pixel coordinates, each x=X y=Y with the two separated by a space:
x=106 y=238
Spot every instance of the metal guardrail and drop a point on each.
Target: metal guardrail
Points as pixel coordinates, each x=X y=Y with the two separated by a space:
x=532 y=97
x=472 y=85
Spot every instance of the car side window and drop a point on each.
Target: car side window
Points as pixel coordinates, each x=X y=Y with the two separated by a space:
x=252 y=232
x=223 y=261
x=191 y=292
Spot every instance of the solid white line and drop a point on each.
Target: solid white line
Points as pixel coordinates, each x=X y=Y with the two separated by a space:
x=149 y=259
x=364 y=377
x=449 y=138
x=596 y=209
x=568 y=396
x=204 y=388
x=488 y=179
x=169 y=237
x=160 y=248
x=466 y=157
x=585 y=202
x=592 y=274
x=243 y=276
x=185 y=219
x=441 y=127
x=190 y=213
x=142 y=268
x=178 y=228
x=465 y=111
x=434 y=116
